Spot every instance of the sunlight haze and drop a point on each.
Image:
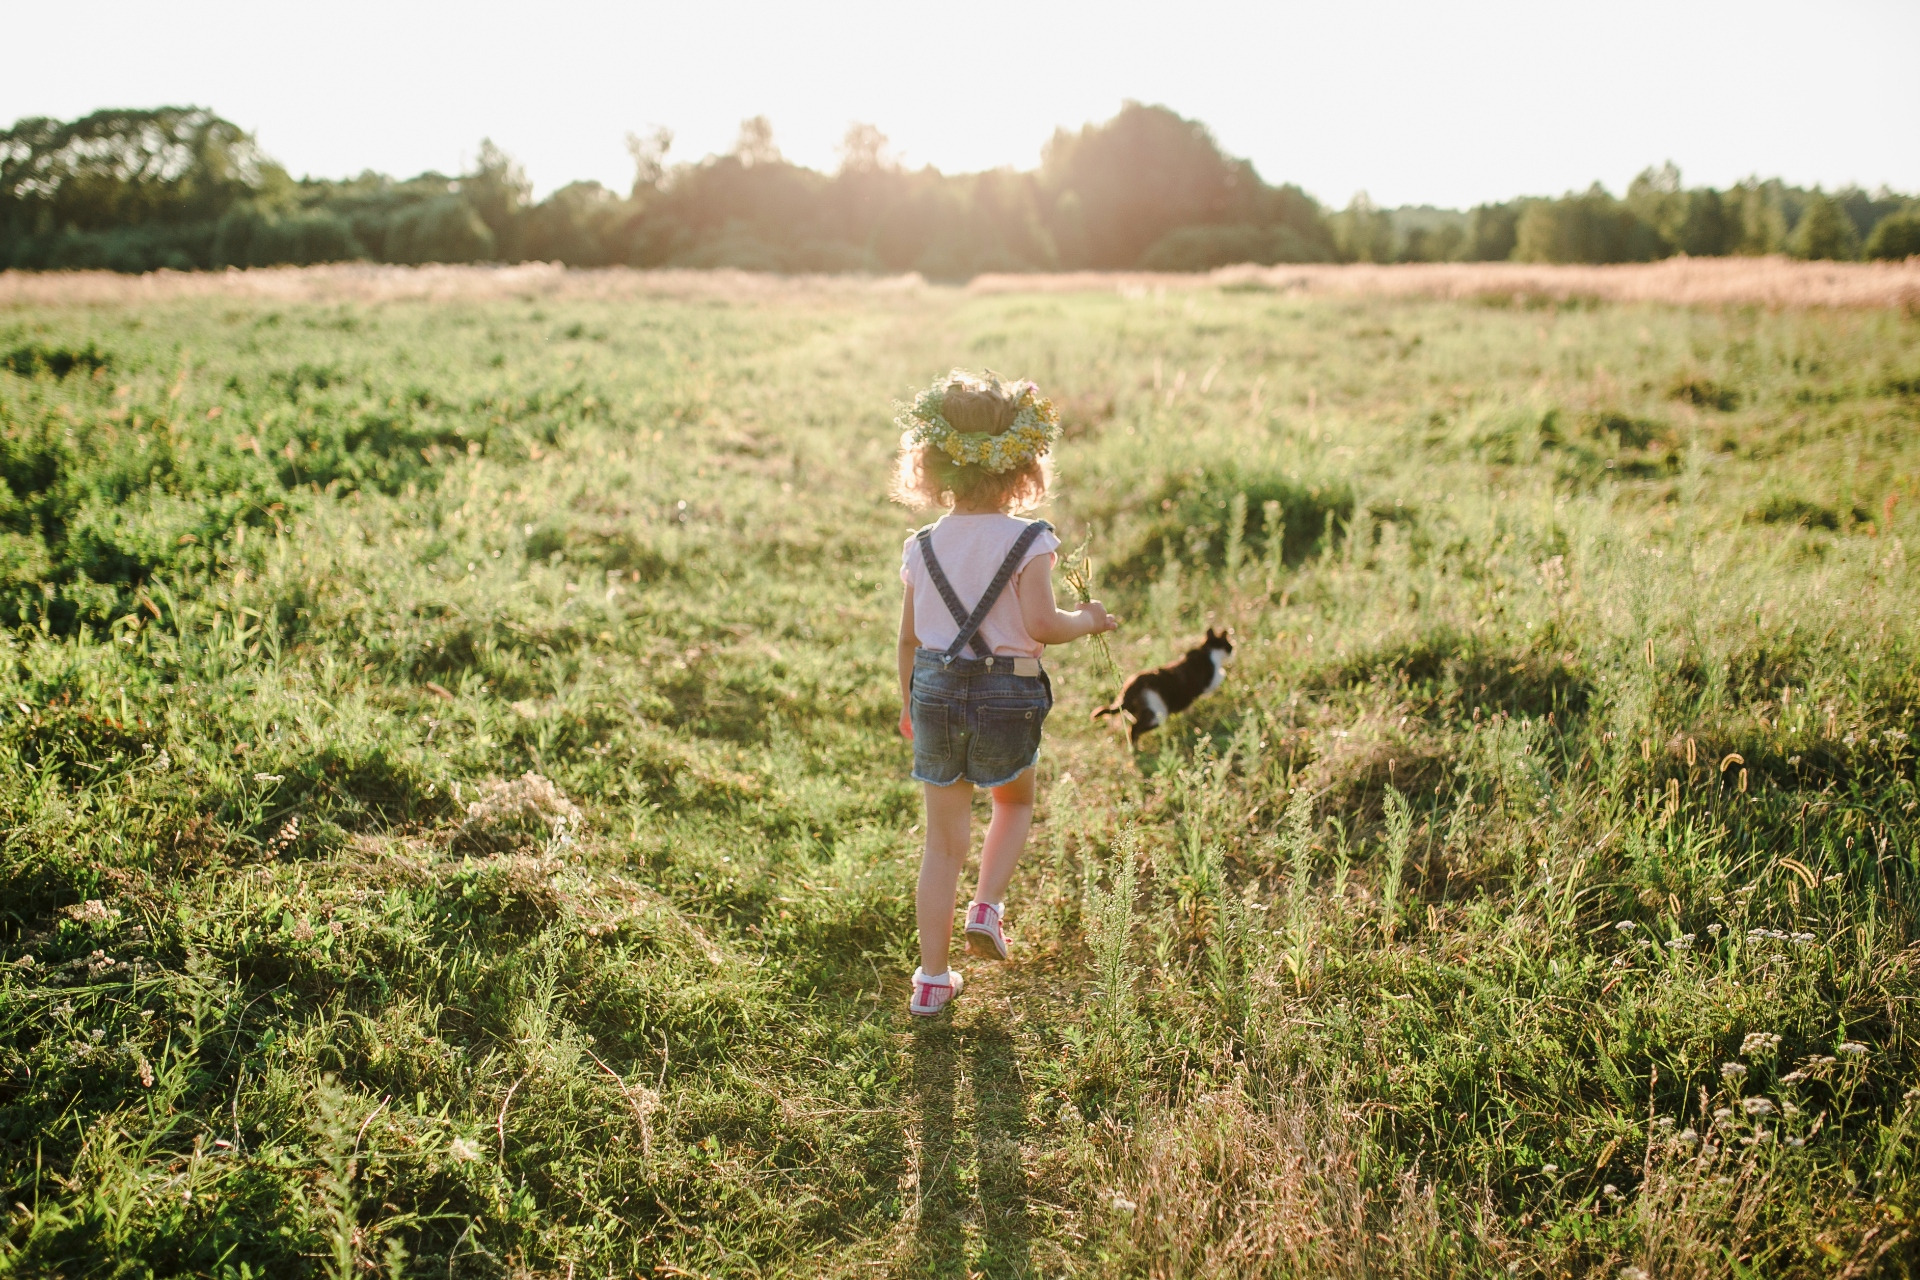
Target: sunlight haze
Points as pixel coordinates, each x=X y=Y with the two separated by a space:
x=1448 y=105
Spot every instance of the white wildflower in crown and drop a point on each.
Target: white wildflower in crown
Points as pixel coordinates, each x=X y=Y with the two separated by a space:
x=1036 y=425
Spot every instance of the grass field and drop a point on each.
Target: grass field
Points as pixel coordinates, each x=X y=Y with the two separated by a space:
x=452 y=822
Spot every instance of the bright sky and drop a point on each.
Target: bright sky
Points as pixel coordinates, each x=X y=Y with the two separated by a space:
x=1448 y=104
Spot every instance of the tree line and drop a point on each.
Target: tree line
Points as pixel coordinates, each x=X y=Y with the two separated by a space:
x=183 y=189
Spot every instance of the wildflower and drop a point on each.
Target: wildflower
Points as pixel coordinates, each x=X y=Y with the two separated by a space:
x=1664 y=1122
x=1123 y=1204
x=1714 y=930
x=1754 y=935
x=1723 y=1113
x=1802 y=939
x=1757 y=1107
x=1619 y=962
x=1549 y=1169
x=1633 y=1273
x=1852 y=1048
x=1796 y=1142
x=1777 y=958
x=1070 y=1114
x=92 y=911
x=1610 y=1191
x=1682 y=943
x=1760 y=1042
x=269 y=777
x=1624 y=926
x=1910 y=1095
x=463 y=1151
x=1733 y=1070
x=1687 y=1136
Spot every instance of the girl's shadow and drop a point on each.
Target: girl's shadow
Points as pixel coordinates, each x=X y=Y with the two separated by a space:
x=999 y=1124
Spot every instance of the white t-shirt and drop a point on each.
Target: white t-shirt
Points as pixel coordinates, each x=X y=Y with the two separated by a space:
x=970 y=549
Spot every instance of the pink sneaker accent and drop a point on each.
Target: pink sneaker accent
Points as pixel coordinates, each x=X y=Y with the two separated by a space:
x=931 y=995
x=985 y=938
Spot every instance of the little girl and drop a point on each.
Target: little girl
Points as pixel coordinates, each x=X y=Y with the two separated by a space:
x=978 y=610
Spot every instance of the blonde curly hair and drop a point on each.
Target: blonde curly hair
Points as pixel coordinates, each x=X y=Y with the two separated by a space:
x=925 y=476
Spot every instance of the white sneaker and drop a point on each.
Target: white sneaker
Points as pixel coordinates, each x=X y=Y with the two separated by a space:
x=985 y=937
x=931 y=995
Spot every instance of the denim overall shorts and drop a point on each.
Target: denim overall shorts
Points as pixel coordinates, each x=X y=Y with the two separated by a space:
x=976 y=718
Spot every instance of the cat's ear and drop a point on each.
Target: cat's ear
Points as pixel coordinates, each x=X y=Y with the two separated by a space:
x=1210 y=633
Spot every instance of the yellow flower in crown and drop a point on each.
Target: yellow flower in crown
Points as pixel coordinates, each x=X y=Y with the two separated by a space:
x=1036 y=425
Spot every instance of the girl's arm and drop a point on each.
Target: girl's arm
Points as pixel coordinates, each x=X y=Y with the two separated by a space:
x=1046 y=622
x=908 y=643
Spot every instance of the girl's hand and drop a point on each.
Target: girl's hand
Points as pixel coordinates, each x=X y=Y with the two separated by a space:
x=1097 y=618
x=906 y=724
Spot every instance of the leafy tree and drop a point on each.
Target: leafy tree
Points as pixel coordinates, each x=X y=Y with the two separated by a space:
x=1824 y=231
x=1493 y=230
x=1896 y=236
x=443 y=230
x=581 y=224
x=1363 y=232
x=1588 y=227
x=1757 y=217
x=121 y=168
x=755 y=145
x=1139 y=176
x=249 y=236
x=865 y=149
x=649 y=152
x=497 y=191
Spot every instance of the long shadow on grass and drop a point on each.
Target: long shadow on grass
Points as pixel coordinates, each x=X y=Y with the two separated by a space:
x=999 y=1113
x=1000 y=1123
x=939 y=1244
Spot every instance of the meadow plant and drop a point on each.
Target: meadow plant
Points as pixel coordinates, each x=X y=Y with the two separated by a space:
x=1399 y=836
x=1108 y=920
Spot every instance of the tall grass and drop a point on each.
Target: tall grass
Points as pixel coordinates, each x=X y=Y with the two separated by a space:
x=452 y=820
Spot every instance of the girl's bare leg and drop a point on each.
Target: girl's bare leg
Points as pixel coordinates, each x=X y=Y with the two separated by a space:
x=949 y=821
x=1006 y=837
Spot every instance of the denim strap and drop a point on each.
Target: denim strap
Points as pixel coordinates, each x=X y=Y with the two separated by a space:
x=970 y=623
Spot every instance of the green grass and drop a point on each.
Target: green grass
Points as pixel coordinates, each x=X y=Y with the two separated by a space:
x=1565 y=760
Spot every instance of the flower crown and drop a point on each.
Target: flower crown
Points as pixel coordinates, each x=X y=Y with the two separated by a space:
x=1036 y=425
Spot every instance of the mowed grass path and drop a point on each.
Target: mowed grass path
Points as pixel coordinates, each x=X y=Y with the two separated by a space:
x=452 y=820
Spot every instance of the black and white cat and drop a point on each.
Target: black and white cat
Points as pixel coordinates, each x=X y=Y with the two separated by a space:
x=1151 y=696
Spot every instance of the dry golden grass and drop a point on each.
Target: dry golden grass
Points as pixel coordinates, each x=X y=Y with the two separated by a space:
x=1226 y=1188
x=440 y=282
x=1769 y=282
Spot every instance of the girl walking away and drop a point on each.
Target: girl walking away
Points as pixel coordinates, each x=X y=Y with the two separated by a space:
x=978 y=612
